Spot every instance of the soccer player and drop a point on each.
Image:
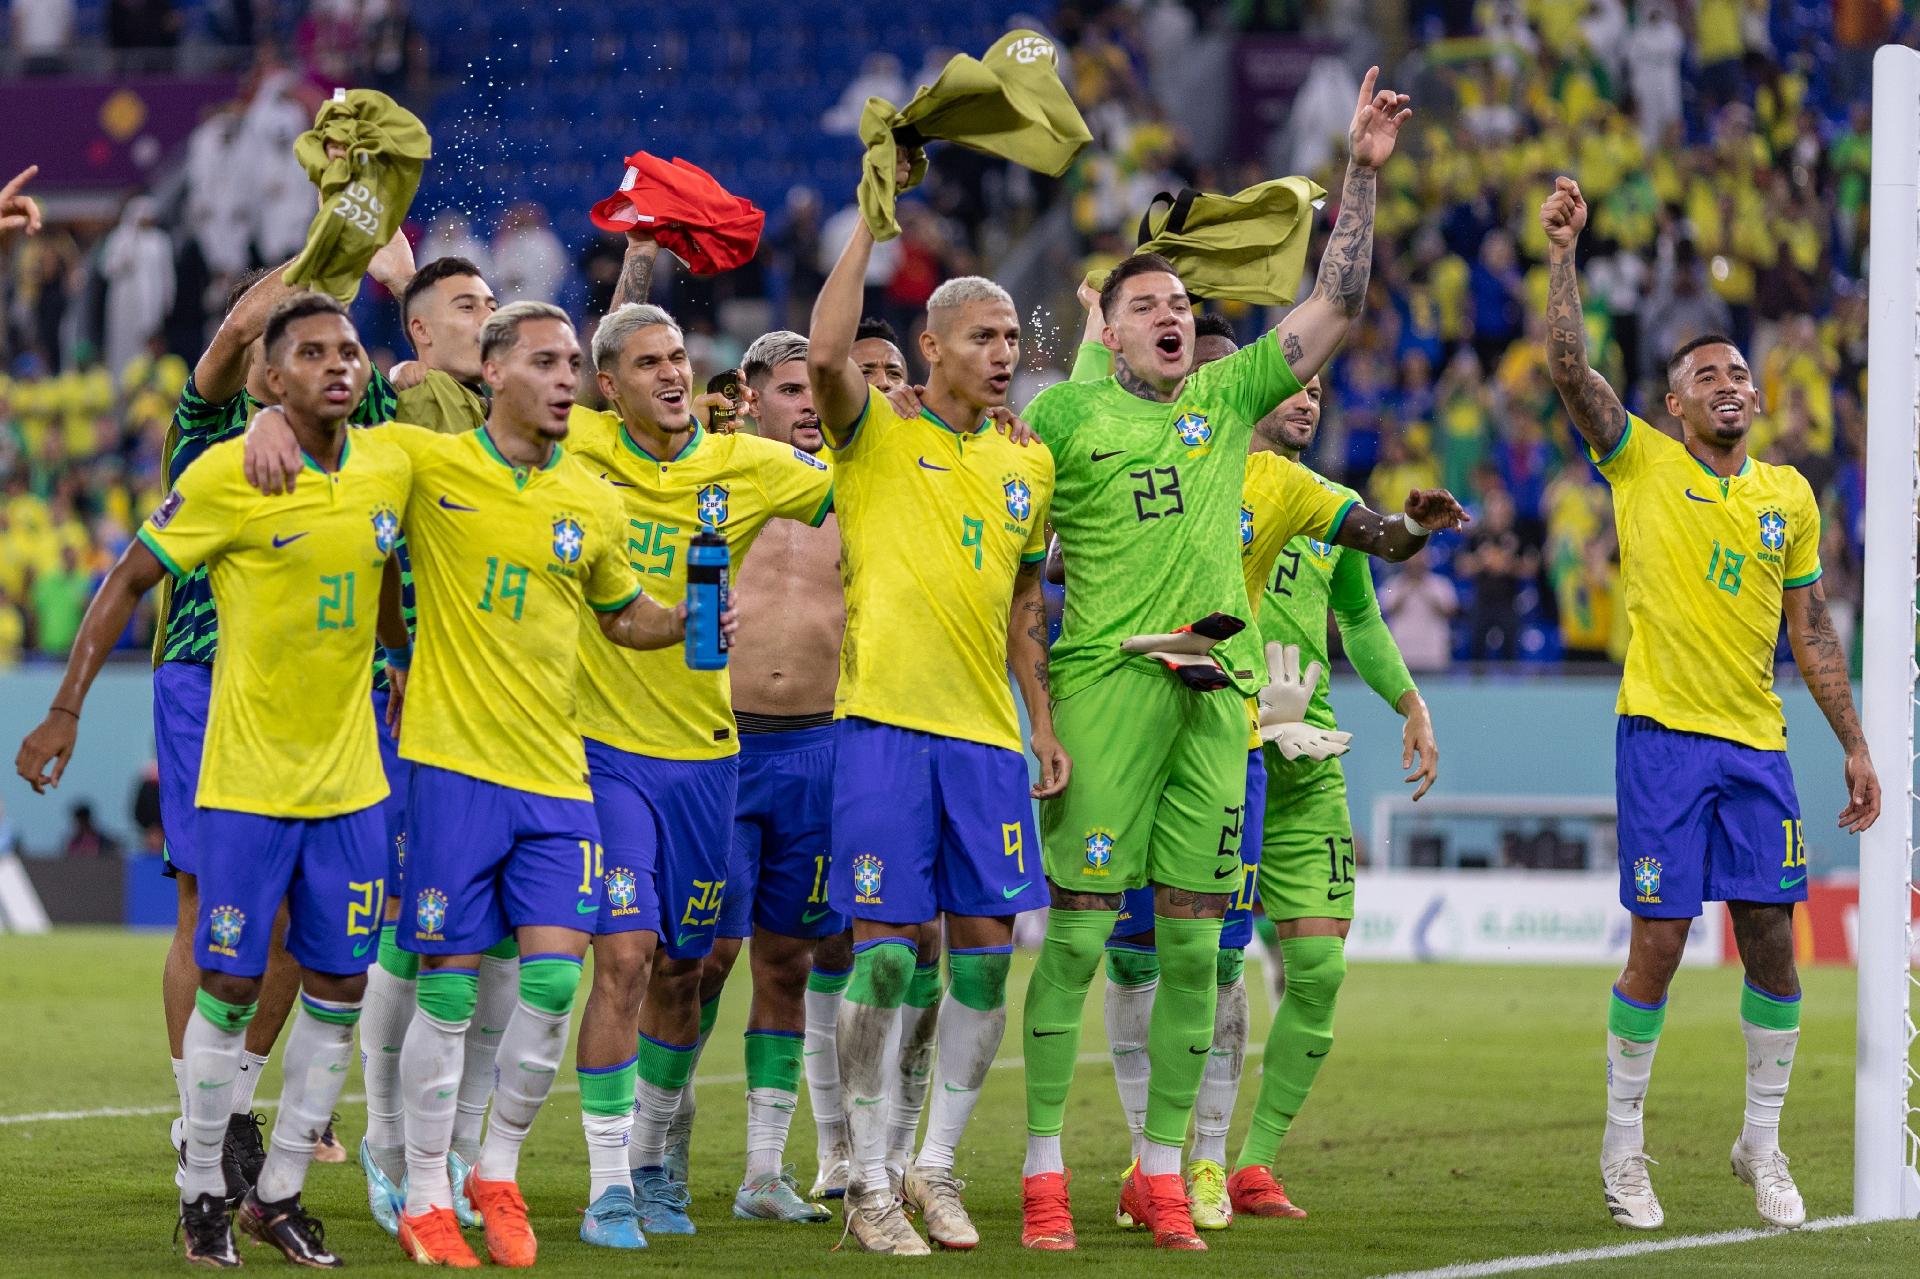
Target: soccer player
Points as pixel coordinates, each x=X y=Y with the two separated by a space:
x=1714 y=549
x=1153 y=463
x=663 y=752
x=942 y=522
x=289 y=791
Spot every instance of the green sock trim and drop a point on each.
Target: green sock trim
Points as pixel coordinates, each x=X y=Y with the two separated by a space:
x=403 y=964
x=226 y=1016
x=549 y=984
x=924 y=990
x=709 y=1014
x=828 y=983
x=1770 y=1011
x=608 y=1092
x=980 y=981
x=773 y=1060
x=334 y=1014
x=1227 y=969
x=1636 y=1024
x=1132 y=967
x=665 y=1065
x=1056 y=1003
x=448 y=994
x=507 y=947
x=881 y=975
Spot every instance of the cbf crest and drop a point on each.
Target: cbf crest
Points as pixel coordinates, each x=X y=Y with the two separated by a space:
x=1246 y=527
x=711 y=504
x=430 y=912
x=1193 y=428
x=623 y=891
x=1773 y=529
x=568 y=540
x=386 y=529
x=1019 y=496
x=1646 y=879
x=225 y=924
x=1099 y=847
x=867 y=870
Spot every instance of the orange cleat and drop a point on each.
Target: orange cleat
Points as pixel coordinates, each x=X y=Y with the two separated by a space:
x=510 y=1240
x=1046 y=1216
x=1161 y=1204
x=433 y=1239
x=1255 y=1191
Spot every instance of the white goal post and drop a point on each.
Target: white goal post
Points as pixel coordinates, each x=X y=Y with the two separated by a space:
x=1886 y=1126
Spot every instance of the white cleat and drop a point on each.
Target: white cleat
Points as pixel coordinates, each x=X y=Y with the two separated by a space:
x=878 y=1224
x=835 y=1167
x=1630 y=1196
x=934 y=1194
x=1774 y=1194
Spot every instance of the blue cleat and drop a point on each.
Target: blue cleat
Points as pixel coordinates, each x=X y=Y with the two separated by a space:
x=776 y=1197
x=663 y=1204
x=384 y=1199
x=458 y=1170
x=613 y=1221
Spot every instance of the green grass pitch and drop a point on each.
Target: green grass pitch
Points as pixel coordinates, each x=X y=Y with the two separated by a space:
x=1457 y=1120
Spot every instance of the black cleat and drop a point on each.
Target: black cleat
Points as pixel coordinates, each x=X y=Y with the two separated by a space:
x=300 y=1237
x=208 y=1228
x=242 y=1154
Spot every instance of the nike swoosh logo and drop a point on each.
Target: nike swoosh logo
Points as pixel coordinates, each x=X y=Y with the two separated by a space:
x=1042 y=1034
x=866 y=1101
x=361 y=950
x=493 y=1030
x=1317 y=1055
x=1225 y=871
x=445 y=505
x=815 y=916
x=1696 y=497
x=1010 y=893
x=951 y=1088
x=208 y=1083
x=1202 y=1052
x=931 y=467
x=1098 y=456
x=443 y=1093
x=279 y=541
x=339 y=1068
x=1628 y=1052
x=1783 y=1061
x=1333 y=896
x=537 y=1070
x=586 y=908
x=1786 y=883
x=619 y=484
x=811 y=1052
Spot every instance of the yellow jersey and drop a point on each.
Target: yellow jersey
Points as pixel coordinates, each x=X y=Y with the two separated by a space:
x=934 y=525
x=651 y=703
x=1705 y=562
x=296 y=583
x=504 y=558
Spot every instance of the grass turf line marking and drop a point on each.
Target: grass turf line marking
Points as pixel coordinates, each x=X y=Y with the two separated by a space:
x=1544 y=1260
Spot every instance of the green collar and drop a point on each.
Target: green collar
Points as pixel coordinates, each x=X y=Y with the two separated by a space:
x=942 y=423
x=486 y=442
x=346 y=446
x=693 y=442
x=1746 y=464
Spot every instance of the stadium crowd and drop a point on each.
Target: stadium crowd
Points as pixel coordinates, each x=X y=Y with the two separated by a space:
x=1729 y=188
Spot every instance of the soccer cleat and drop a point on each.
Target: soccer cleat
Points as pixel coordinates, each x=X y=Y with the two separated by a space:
x=613 y=1221
x=1774 y=1193
x=242 y=1154
x=384 y=1199
x=1630 y=1196
x=878 y=1224
x=288 y=1226
x=510 y=1240
x=207 y=1224
x=328 y=1149
x=1256 y=1192
x=934 y=1194
x=896 y=1185
x=776 y=1197
x=1162 y=1205
x=433 y=1239
x=836 y=1166
x=1121 y=1217
x=663 y=1203
x=1212 y=1206
x=1046 y=1214
x=458 y=1170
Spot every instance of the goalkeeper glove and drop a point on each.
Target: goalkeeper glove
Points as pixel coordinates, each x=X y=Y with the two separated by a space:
x=1283 y=706
x=1188 y=652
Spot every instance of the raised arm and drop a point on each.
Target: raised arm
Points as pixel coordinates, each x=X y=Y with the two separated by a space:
x=1027 y=658
x=1314 y=330
x=1823 y=666
x=222 y=369
x=1400 y=537
x=636 y=269
x=839 y=392
x=1595 y=409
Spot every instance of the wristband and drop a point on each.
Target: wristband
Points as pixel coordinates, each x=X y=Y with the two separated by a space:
x=1414 y=526
x=398 y=658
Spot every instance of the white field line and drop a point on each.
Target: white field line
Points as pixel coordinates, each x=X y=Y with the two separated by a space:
x=1614 y=1252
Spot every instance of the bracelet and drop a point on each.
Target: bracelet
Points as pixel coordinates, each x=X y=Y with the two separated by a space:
x=64 y=711
x=398 y=658
x=1414 y=526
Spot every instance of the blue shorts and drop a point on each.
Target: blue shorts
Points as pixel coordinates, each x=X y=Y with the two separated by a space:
x=666 y=824
x=1703 y=819
x=182 y=691
x=778 y=874
x=393 y=809
x=329 y=870
x=925 y=824
x=1136 y=909
x=484 y=859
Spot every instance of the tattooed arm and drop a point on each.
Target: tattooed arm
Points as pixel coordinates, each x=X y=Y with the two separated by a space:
x=1823 y=666
x=1027 y=658
x=1596 y=410
x=636 y=270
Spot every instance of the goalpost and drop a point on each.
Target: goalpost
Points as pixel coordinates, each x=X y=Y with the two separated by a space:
x=1886 y=1126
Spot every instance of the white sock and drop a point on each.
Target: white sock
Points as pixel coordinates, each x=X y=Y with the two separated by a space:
x=1129 y=1011
x=680 y=1127
x=822 y=1060
x=1220 y=1082
x=1769 y=1065
x=1629 y=1069
x=866 y=1079
x=313 y=1066
x=608 y=1138
x=530 y=1052
x=385 y=1013
x=1043 y=1155
x=919 y=1029
x=969 y=1039
x=653 y=1110
x=1157 y=1160
x=180 y=1083
x=769 y=1116
x=429 y=1077
x=499 y=991
x=251 y=1066
x=212 y=1064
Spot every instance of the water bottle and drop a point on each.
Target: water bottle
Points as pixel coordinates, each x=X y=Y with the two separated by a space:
x=707 y=563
